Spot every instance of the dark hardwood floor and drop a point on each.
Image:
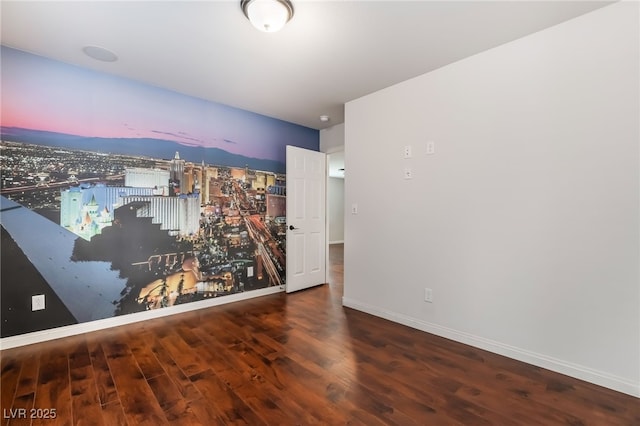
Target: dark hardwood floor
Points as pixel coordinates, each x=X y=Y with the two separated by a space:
x=296 y=359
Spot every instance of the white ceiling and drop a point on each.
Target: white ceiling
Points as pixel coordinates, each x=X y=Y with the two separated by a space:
x=331 y=52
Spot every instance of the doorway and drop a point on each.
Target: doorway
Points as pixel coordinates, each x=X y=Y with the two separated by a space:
x=335 y=220
x=335 y=197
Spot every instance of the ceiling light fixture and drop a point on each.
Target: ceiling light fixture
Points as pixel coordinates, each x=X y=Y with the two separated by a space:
x=324 y=118
x=267 y=15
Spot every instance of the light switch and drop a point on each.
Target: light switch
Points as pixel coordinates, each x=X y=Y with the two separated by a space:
x=354 y=208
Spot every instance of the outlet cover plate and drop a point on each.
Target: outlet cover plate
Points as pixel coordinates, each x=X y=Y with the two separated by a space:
x=431 y=147
x=37 y=302
x=428 y=295
x=408 y=174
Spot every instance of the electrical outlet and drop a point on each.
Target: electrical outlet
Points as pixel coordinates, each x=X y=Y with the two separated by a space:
x=428 y=295
x=37 y=302
x=407 y=151
x=408 y=174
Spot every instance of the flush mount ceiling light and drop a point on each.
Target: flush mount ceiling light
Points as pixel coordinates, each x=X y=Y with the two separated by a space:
x=267 y=15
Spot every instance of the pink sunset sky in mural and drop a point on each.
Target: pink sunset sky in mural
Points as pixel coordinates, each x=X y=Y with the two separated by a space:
x=42 y=94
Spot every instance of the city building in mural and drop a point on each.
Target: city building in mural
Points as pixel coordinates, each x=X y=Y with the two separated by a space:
x=87 y=209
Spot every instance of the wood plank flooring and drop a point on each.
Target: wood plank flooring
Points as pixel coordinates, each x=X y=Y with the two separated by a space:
x=298 y=359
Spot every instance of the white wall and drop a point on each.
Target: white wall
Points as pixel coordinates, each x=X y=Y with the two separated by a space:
x=332 y=138
x=525 y=221
x=335 y=205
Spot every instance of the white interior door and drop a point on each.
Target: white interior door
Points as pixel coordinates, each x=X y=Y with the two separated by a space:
x=306 y=212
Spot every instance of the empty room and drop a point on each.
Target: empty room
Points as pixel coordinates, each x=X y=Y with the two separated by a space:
x=320 y=212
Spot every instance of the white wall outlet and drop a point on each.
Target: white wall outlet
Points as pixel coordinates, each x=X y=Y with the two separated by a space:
x=406 y=153
x=428 y=295
x=431 y=147
x=354 y=208
x=408 y=174
x=37 y=302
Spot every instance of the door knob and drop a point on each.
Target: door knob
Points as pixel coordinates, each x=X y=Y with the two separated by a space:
x=291 y=227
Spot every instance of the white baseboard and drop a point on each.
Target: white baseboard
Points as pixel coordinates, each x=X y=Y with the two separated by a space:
x=87 y=327
x=563 y=367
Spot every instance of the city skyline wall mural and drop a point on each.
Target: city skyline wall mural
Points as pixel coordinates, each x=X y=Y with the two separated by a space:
x=119 y=197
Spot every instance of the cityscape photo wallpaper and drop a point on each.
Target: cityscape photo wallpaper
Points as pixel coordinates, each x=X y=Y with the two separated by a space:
x=118 y=197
